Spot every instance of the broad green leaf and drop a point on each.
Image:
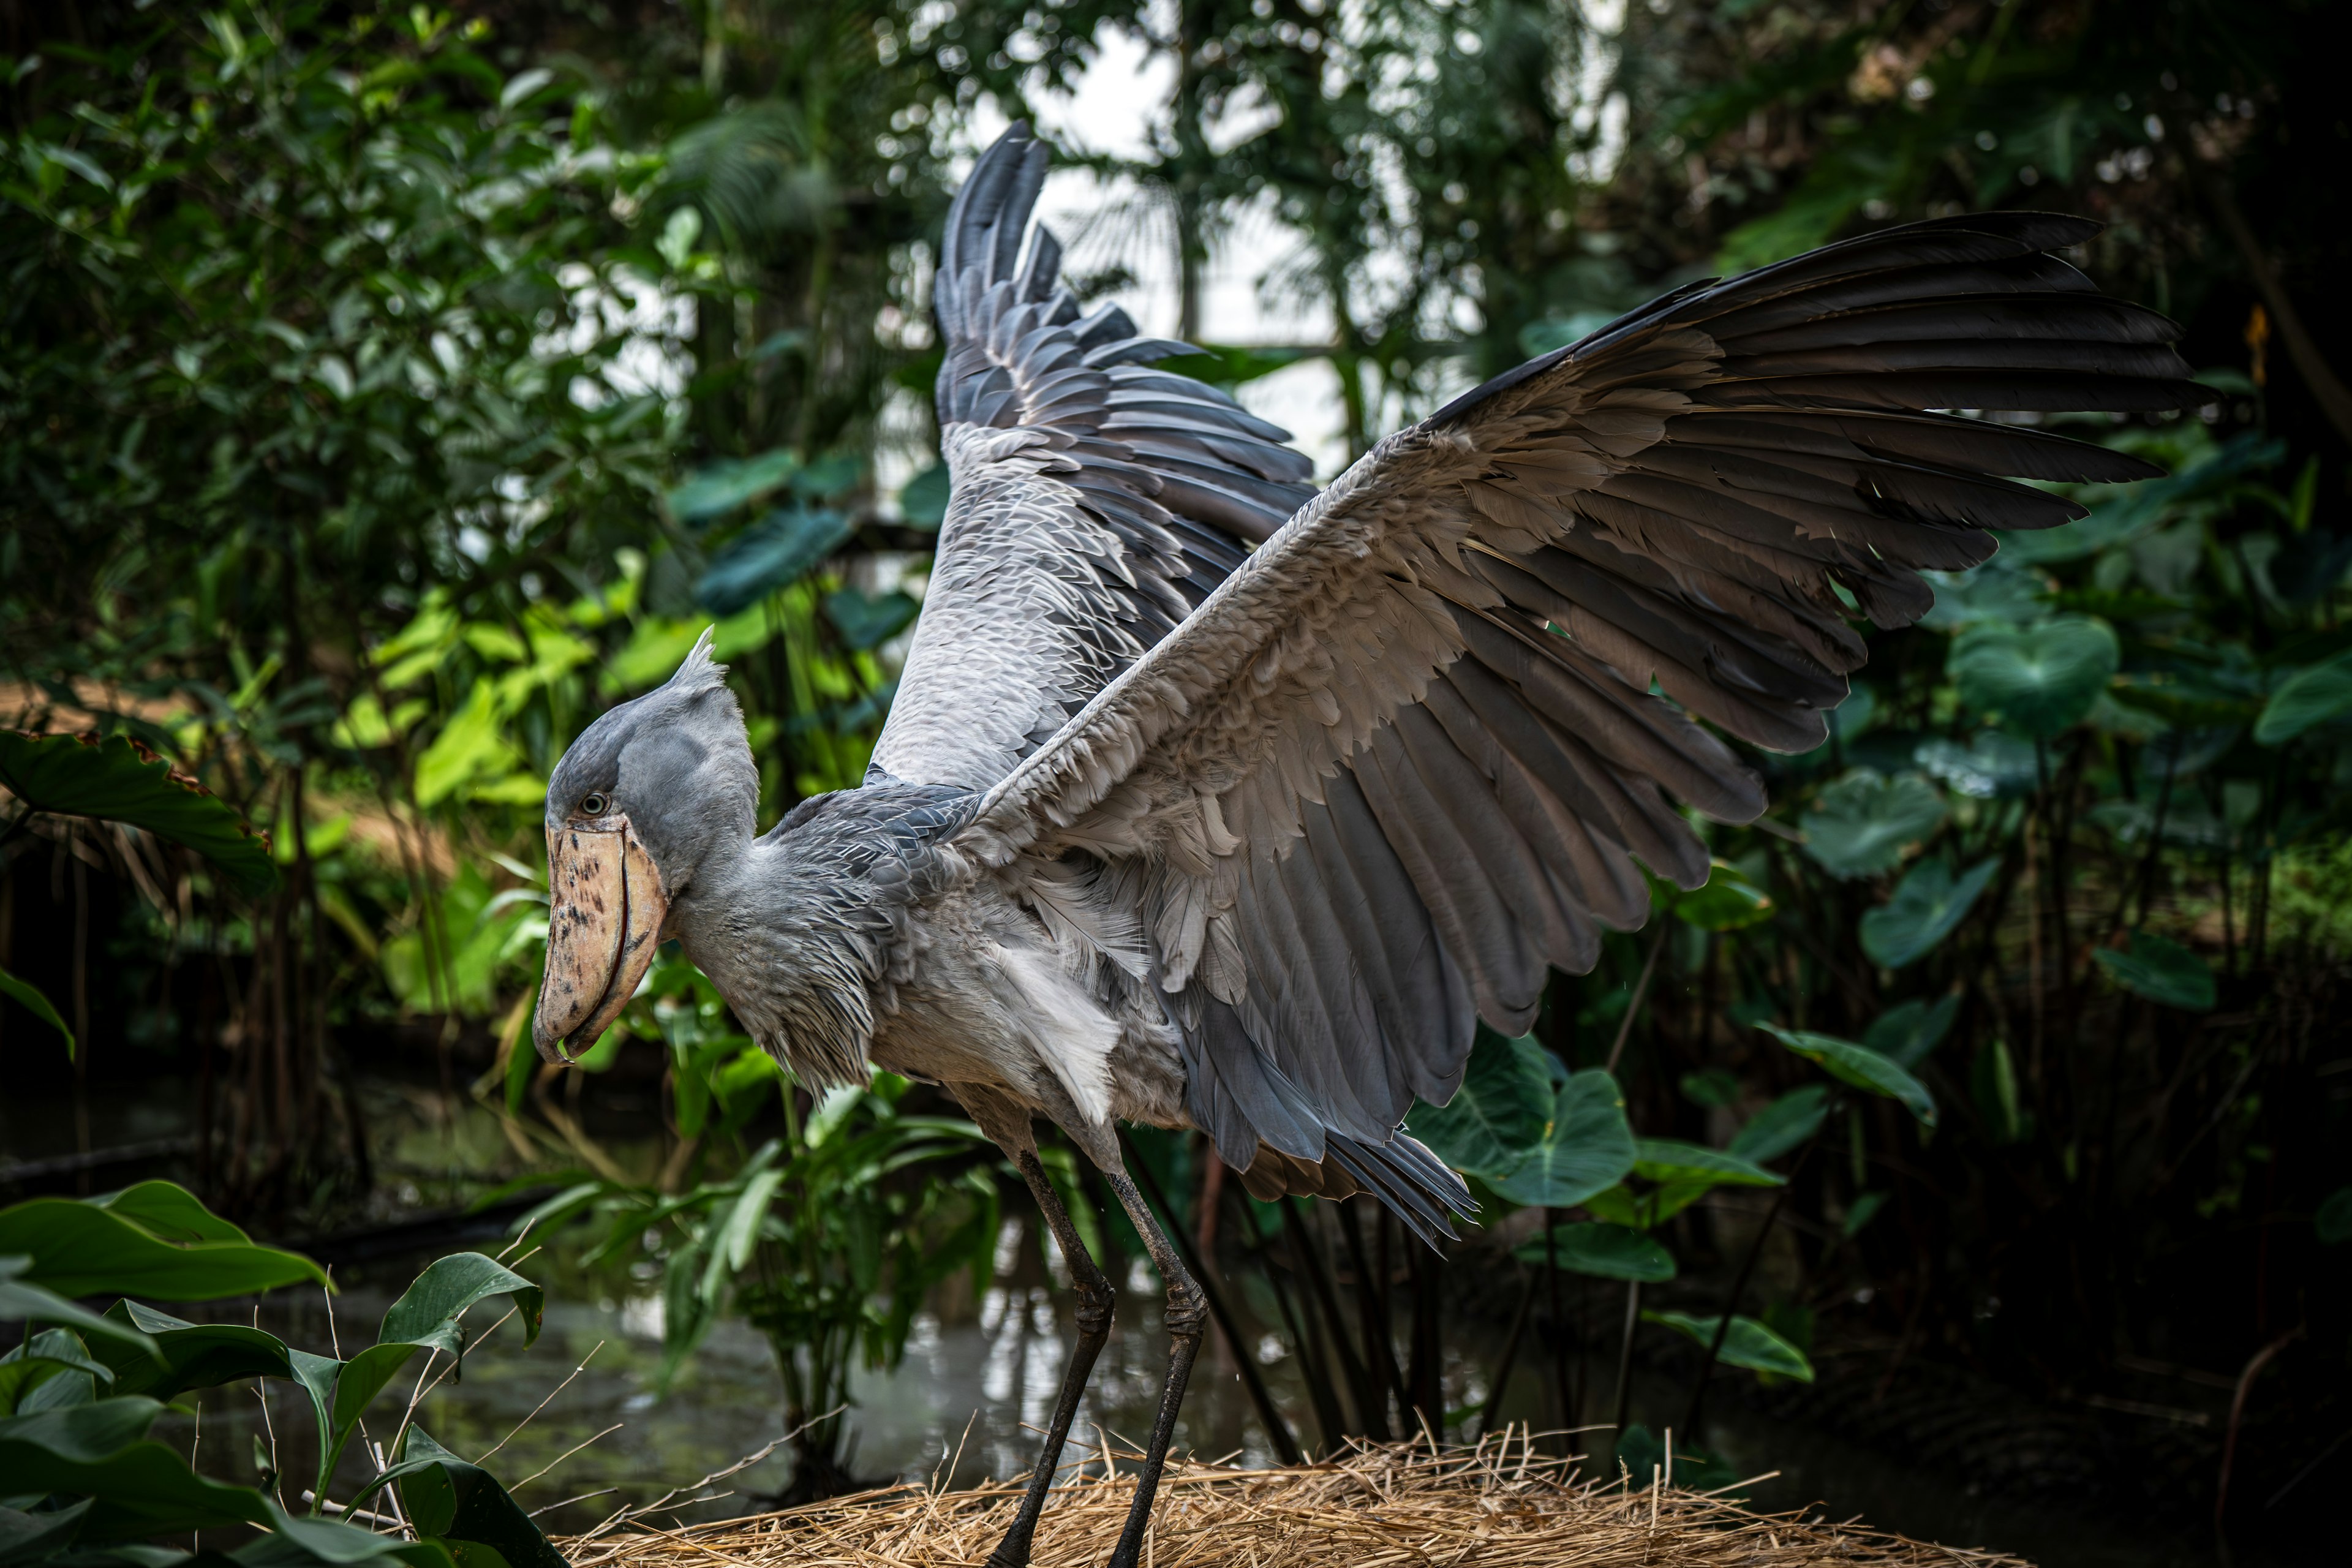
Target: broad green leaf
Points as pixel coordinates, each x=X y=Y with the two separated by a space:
x=924 y=501
x=473 y=745
x=866 y=623
x=1999 y=590
x=43 y=1355
x=717 y=488
x=82 y=1248
x=1928 y=905
x=2039 y=679
x=169 y=1210
x=1862 y=823
x=1749 y=1344
x=1728 y=900
x=771 y=553
x=1603 y=1251
x=1861 y=1066
x=23 y=1301
x=2333 y=1223
x=121 y=781
x=1994 y=764
x=739 y=1232
x=190 y=1355
x=2307 y=698
x=1782 y=1125
x=1909 y=1030
x=1672 y=1163
x=27 y=995
x=423 y=1317
x=464 y=1506
x=1586 y=1148
x=1497 y=1114
x=100 y=1450
x=1865 y=1209
x=30 y=1537
x=2162 y=970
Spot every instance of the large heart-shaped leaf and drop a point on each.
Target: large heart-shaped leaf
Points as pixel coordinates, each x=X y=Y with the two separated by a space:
x=1861 y=825
x=1909 y=1030
x=771 y=553
x=1603 y=1251
x=2307 y=698
x=121 y=781
x=1586 y=1148
x=1861 y=1066
x=1929 y=903
x=2039 y=679
x=86 y=1249
x=717 y=488
x=1498 y=1113
x=1749 y=1344
x=1995 y=763
x=1782 y=1125
x=2162 y=970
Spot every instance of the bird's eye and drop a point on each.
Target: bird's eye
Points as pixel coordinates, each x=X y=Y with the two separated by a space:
x=593 y=805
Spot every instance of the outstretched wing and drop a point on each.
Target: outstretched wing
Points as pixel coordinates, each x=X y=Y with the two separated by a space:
x=1095 y=501
x=1406 y=758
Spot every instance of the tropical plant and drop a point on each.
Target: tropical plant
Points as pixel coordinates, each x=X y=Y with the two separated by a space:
x=828 y=1238
x=81 y=1391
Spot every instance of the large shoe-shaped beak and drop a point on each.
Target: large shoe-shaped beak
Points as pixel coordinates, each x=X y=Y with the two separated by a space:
x=606 y=907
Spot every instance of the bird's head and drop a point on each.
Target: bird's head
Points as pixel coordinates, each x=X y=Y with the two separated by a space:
x=635 y=811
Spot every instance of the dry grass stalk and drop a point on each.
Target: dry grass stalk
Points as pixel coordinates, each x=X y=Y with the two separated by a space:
x=1501 y=1504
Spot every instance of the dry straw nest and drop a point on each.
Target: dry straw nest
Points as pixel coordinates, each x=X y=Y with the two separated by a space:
x=1502 y=1504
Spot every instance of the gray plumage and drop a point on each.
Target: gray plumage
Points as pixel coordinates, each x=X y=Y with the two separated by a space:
x=1270 y=832
x=1167 y=828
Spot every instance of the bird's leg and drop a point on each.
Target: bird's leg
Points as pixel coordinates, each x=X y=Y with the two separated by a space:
x=1188 y=1313
x=1094 y=1297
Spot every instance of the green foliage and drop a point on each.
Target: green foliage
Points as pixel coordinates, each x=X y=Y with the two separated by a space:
x=1749 y=1343
x=1603 y=1251
x=1928 y=905
x=118 y=1242
x=1499 y=1112
x=1782 y=1125
x=1861 y=1066
x=1585 y=1147
x=2162 y=970
x=2039 y=679
x=28 y=996
x=1864 y=822
x=77 y=1400
x=117 y=780
x=2321 y=694
x=827 y=1240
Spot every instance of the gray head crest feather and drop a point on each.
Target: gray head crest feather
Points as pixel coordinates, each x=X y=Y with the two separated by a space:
x=700 y=673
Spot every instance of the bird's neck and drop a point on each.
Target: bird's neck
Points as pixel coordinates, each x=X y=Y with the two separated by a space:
x=767 y=923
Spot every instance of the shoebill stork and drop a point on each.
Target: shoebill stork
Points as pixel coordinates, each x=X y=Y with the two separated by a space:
x=1210 y=800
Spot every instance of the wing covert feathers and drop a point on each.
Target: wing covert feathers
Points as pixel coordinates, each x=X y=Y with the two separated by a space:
x=1094 y=500
x=1413 y=754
